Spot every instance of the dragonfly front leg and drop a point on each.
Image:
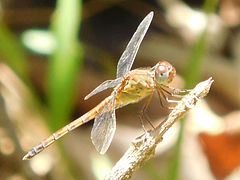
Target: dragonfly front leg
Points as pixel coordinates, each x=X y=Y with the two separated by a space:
x=175 y=92
x=164 y=93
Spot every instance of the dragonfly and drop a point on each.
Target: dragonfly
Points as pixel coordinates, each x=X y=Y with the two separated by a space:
x=130 y=86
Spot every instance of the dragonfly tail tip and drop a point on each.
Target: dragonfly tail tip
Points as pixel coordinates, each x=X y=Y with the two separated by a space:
x=26 y=157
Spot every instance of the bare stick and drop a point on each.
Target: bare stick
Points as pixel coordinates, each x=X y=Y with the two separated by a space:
x=143 y=148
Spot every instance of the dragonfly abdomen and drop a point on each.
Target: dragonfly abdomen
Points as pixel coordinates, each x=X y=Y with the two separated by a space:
x=61 y=132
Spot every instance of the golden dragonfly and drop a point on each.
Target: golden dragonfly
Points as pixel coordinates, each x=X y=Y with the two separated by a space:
x=128 y=87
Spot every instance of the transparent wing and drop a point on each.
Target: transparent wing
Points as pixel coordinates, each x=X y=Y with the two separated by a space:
x=104 y=127
x=105 y=85
x=126 y=60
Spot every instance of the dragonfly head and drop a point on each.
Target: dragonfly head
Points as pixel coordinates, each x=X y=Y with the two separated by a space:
x=164 y=73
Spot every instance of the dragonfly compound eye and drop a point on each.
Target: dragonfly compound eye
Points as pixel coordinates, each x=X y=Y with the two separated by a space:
x=164 y=73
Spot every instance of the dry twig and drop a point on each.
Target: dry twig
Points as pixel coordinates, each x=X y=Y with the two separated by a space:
x=143 y=148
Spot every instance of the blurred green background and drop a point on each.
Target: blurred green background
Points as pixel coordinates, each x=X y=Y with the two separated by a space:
x=53 y=53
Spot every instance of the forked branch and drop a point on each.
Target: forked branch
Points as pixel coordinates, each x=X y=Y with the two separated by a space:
x=143 y=148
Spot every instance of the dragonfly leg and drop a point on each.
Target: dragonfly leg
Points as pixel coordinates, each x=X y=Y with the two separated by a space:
x=141 y=120
x=164 y=100
x=143 y=115
x=165 y=93
x=174 y=92
x=172 y=100
x=161 y=98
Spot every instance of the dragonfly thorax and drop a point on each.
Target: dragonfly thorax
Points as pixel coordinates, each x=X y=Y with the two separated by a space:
x=164 y=73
